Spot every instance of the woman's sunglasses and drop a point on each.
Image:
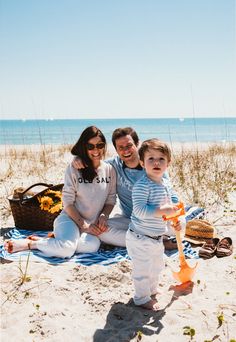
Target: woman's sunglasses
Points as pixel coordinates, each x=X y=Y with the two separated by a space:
x=92 y=146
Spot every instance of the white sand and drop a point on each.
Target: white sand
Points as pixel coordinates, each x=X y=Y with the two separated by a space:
x=78 y=303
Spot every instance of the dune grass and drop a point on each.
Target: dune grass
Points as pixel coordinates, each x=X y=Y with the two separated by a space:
x=205 y=175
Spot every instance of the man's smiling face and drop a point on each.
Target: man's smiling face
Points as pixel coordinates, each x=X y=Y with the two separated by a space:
x=127 y=151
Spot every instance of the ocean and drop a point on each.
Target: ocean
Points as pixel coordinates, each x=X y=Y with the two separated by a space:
x=67 y=131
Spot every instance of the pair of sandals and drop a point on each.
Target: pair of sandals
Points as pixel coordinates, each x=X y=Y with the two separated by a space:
x=215 y=246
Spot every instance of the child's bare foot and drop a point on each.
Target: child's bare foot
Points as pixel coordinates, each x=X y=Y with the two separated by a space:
x=151 y=305
x=157 y=293
x=12 y=246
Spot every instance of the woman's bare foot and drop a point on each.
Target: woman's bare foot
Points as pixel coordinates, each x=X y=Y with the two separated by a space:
x=12 y=246
x=36 y=237
x=151 y=305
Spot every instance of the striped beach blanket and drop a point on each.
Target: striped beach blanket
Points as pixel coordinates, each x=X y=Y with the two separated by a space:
x=105 y=255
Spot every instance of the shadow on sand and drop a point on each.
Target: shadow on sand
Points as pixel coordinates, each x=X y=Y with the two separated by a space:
x=125 y=321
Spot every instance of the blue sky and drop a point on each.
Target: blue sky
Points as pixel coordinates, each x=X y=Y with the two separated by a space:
x=117 y=58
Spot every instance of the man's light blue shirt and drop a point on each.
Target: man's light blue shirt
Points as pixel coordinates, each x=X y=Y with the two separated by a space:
x=126 y=178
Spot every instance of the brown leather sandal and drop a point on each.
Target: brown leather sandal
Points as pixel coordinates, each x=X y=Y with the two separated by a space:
x=225 y=247
x=208 y=250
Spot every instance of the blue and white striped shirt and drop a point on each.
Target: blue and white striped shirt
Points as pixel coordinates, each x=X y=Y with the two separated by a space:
x=147 y=196
x=125 y=180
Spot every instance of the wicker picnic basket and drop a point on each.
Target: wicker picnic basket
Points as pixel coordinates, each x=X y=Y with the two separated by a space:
x=26 y=210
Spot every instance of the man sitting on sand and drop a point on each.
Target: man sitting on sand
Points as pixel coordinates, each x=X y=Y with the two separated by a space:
x=128 y=172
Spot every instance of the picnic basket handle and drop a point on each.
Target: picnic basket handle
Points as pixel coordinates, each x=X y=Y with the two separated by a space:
x=21 y=194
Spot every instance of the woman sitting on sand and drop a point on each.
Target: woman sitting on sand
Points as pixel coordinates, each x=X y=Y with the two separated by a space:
x=88 y=196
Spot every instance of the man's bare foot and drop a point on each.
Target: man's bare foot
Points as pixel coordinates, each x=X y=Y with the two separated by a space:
x=51 y=235
x=34 y=237
x=151 y=305
x=12 y=246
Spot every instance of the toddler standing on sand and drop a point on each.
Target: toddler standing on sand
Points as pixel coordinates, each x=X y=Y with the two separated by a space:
x=144 y=240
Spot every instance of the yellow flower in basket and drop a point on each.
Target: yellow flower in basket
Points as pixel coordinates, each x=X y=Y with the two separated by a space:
x=56 y=208
x=51 y=201
x=45 y=202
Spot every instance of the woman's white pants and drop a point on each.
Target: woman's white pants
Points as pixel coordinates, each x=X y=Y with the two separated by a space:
x=68 y=240
x=147 y=256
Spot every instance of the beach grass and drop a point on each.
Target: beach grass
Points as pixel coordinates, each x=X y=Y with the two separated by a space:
x=203 y=175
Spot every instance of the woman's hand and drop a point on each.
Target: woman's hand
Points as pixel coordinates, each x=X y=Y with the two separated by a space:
x=78 y=164
x=102 y=223
x=93 y=229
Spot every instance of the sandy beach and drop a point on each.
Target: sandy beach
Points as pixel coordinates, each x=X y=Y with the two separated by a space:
x=94 y=303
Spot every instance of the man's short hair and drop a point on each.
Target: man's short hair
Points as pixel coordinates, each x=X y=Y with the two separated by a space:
x=122 y=132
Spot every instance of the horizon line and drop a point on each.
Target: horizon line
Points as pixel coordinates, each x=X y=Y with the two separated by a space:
x=120 y=118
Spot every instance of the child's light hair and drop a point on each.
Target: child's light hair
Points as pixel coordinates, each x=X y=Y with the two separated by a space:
x=154 y=144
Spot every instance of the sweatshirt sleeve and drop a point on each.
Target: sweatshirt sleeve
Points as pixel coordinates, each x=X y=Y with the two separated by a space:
x=111 y=198
x=141 y=208
x=70 y=187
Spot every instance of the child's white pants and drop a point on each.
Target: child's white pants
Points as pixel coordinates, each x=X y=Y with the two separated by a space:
x=68 y=239
x=147 y=259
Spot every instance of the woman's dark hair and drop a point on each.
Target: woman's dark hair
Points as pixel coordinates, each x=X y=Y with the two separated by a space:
x=80 y=150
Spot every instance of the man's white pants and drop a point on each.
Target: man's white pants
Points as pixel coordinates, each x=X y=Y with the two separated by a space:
x=116 y=234
x=147 y=257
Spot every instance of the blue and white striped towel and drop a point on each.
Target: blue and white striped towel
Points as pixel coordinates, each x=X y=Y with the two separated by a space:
x=102 y=257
